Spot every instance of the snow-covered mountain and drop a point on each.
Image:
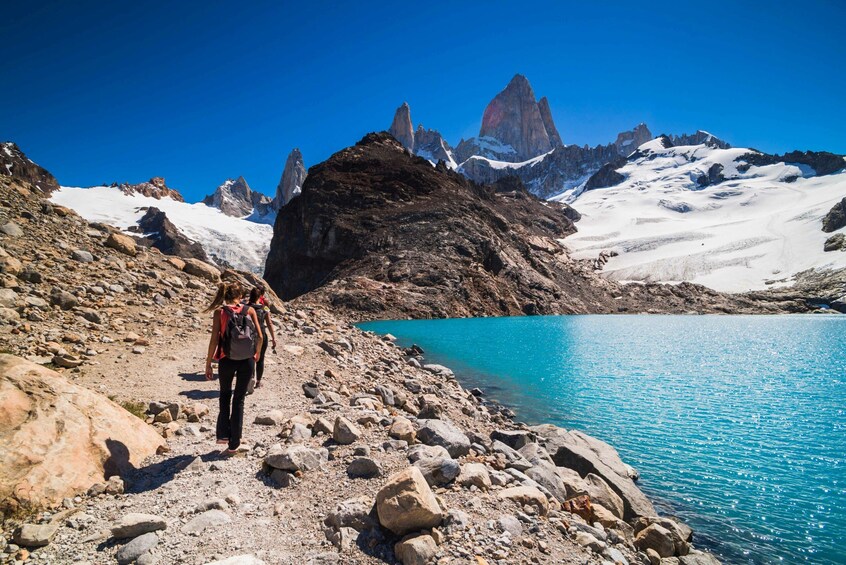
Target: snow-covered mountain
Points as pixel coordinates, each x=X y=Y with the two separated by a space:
x=235 y=198
x=226 y=240
x=731 y=219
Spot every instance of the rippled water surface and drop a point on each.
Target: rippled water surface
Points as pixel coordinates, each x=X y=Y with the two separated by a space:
x=736 y=423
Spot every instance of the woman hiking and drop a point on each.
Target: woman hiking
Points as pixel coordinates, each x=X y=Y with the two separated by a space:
x=259 y=304
x=235 y=342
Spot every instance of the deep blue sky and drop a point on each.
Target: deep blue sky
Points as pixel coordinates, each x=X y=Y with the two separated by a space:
x=201 y=91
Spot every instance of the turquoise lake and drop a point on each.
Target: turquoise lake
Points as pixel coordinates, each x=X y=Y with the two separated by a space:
x=737 y=424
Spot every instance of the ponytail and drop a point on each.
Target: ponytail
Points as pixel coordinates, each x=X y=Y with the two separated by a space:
x=226 y=292
x=256 y=293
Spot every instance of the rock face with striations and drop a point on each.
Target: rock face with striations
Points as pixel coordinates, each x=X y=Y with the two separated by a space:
x=293 y=178
x=60 y=438
x=13 y=163
x=548 y=123
x=514 y=118
x=401 y=127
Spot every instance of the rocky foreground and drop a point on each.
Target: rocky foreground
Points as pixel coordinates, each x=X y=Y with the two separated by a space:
x=355 y=450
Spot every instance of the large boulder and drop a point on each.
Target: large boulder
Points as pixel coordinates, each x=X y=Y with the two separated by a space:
x=122 y=243
x=407 y=504
x=201 y=269
x=444 y=434
x=59 y=438
x=585 y=455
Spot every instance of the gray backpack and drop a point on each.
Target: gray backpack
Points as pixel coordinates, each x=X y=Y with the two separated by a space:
x=239 y=336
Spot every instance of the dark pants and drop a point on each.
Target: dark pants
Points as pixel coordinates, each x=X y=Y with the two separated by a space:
x=260 y=363
x=230 y=422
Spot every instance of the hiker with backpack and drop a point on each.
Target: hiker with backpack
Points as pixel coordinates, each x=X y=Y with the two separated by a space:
x=236 y=343
x=259 y=304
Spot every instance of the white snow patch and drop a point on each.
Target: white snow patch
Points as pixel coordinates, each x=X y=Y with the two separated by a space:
x=240 y=243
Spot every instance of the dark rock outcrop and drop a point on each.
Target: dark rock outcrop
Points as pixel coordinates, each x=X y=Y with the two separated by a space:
x=836 y=217
x=822 y=162
x=837 y=242
x=607 y=175
x=13 y=163
x=380 y=233
x=699 y=138
x=159 y=232
x=293 y=177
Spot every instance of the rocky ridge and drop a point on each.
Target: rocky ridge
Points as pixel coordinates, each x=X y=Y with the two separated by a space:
x=153 y=188
x=347 y=430
x=13 y=163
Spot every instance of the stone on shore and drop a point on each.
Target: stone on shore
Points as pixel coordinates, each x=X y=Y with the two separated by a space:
x=601 y=493
x=136 y=524
x=656 y=538
x=586 y=455
x=407 y=504
x=444 y=434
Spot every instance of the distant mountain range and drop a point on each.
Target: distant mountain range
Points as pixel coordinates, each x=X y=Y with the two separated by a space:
x=670 y=208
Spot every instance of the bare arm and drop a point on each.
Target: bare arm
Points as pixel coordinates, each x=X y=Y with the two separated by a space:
x=213 y=342
x=270 y=329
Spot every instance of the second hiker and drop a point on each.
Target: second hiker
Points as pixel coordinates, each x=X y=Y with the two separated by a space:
x=259 y=304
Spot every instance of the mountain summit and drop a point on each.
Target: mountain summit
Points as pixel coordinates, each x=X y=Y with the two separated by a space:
x=515 y=119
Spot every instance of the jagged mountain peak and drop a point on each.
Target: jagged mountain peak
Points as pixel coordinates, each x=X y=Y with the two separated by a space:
x=402 y=128
x=292 y=180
